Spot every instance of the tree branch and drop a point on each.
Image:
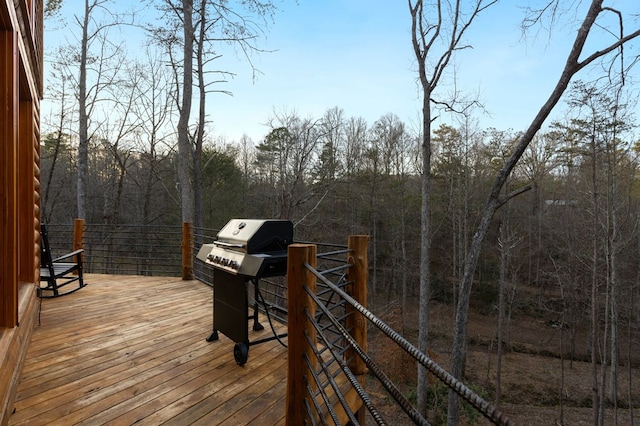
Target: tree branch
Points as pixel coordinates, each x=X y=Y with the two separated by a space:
x=503 y=200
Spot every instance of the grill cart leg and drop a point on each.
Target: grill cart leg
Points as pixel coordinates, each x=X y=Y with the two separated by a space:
x=256 y=324
x=213 y=336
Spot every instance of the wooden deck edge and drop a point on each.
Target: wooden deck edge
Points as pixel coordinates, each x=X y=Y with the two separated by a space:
x=13 y=349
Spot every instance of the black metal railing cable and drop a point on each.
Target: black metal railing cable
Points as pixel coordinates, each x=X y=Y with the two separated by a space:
x=310 y=413
x=327 y=294
x=400 y=399
x=320 y=386
x=330 y=381
x=336 y=353
x=125 y=249
x=327 y=327
x=487 y=409
x=336 y=269
x=353 y=380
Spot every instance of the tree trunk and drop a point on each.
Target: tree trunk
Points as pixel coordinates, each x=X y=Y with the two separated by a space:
x=184 y=141
x=54 y=159
x=505 y=248
x=594 y=337
x=614 y=243
x=420 y=50
x=494 y=201
x=403 y=252
x=83 y=120
x=197 y=154
x=630 y=326
x=425 y=243
x=595 y=399
x=425 y=216
x=603 y=360
x=615 y=318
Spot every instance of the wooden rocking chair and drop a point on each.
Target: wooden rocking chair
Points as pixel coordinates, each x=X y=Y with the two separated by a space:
x=60 y=271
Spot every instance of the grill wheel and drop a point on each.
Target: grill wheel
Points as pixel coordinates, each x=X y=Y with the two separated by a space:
x=241 y=353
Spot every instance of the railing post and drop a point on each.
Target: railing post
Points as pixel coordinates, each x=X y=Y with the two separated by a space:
x=78 y=234
x=78 y=238
x=298 y=303
x=358 y=275
x=187 y=251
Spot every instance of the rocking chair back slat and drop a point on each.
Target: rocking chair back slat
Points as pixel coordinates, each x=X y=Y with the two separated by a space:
x=60 y=271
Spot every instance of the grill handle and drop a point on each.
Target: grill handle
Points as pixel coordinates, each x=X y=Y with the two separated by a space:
x=228 y=245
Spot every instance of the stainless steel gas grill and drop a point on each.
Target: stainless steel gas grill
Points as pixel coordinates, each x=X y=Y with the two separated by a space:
x=245 y=251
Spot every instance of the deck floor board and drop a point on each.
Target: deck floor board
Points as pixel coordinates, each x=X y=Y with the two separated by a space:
x=131 y=349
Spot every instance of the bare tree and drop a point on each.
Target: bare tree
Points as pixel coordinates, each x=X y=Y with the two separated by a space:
x=495 y=199
x=437 y=33
x=355 y=134
x=184 y=142
x=198 y=30
x=57 y=142
x=539 y=160
x=155 y=109
x=95 y=73
x=288 y=155
x=91 y=60
x=118 y=133
x=330 y=166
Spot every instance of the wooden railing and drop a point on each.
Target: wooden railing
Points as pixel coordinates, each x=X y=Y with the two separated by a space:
x=324 y=375
x=328 y=356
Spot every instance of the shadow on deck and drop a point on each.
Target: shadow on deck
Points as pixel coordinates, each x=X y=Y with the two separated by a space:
x=131 y=349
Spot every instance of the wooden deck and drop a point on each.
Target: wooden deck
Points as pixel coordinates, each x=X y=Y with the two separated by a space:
x=130 y=349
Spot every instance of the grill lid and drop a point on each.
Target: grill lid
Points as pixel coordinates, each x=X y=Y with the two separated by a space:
x=256 y=235
x=250 y=247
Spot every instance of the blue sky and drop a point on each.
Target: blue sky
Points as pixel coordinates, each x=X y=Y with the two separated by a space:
x=357 y=55
x=352 y=54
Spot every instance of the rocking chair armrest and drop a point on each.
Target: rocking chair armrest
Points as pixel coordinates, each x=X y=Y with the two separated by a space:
x=75 y=253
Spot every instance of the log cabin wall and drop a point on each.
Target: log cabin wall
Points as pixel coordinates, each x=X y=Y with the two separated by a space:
x=21 y=86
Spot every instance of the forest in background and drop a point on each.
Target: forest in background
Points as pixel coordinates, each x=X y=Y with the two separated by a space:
x=573 y=229
x=336 y=175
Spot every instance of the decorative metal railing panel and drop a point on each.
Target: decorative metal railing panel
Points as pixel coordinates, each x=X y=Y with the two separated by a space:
x=335 y=352
x=124 y=249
